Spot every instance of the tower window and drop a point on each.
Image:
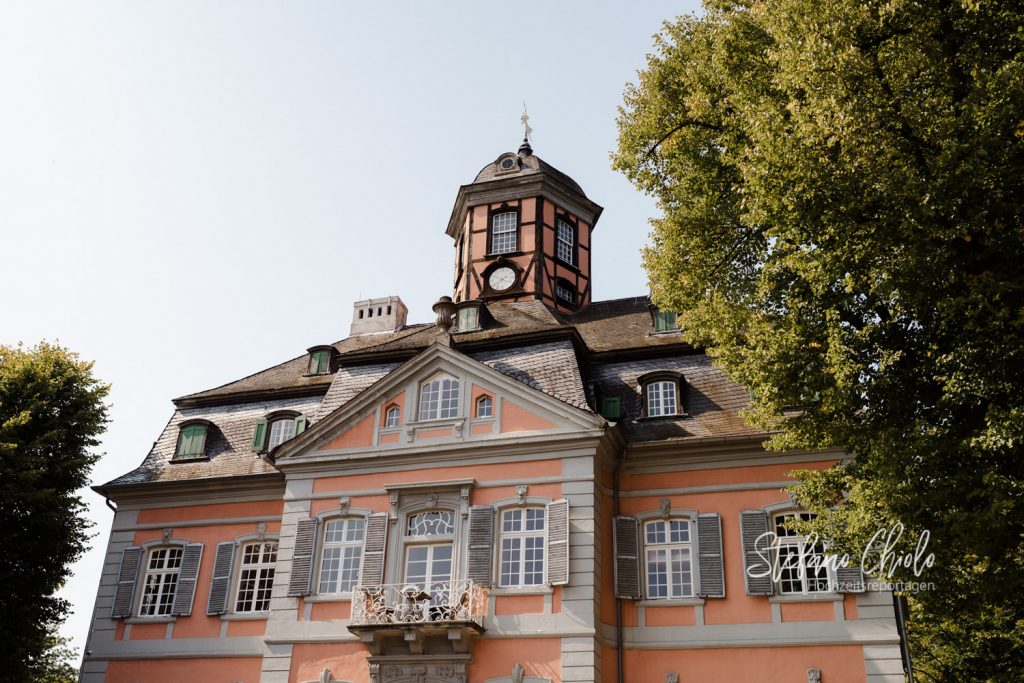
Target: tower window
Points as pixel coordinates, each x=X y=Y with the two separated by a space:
x=503 y=232
x=565 y=293
x=565 y=242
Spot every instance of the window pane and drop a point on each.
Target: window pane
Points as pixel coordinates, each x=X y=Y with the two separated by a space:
x=281 y=431
x=522 y=547
x=503 y=233
x=161 y=582
x=392 y=418
x=564 y=247
x=484 y=407
x=429 y=396
x=256 y=577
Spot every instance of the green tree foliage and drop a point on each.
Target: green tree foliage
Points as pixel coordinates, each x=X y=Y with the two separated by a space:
x=841 y=193
x=52 y=411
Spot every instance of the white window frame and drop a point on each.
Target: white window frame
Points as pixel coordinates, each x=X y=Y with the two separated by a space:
x=392 y=412
x=504 y=232
x=345 y=547
x=163 y=606
x=264 y=571
x=445 y=405
x=791 y=540
x=674 y=591
x=517 y=541
x=480 y=402
x=565 y=247
x=659 y=409
x=271 y=444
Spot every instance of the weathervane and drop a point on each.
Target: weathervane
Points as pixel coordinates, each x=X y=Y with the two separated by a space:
x=527 y=132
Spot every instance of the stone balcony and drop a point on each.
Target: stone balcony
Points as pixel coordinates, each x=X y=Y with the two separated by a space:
x=453 y=610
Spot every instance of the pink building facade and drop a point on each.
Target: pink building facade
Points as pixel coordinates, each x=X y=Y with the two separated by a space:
x=535 y=488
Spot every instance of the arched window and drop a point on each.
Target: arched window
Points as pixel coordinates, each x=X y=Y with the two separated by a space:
x=439 y=398
x=485 y=406
x=392 y=417
x=662 y=394
x=276 y=428
x=668 y=559
x=282 y=429
x=191 y=441
x=342 y=555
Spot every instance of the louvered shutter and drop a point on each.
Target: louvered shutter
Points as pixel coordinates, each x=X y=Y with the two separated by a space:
x=187 y=575
x=756 y=558
x=709 y=556
x=850 y=579
x=300 y=424
x=127 y=575
x=481 y=544
x=558 y=542
x=221 y=583
x=302 y=557
x=626 y=539
x=259 y=435
x=373 y=549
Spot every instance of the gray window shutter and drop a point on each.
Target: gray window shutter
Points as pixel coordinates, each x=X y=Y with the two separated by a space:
x=481 y=544
x=127 y=575
x=302 y=557
x=373 y=549
x=558 y=542
x=626 y=539
x=753 y=524
x=850 y=579
x=186 y=591
x=220 y=585
x=709 y=556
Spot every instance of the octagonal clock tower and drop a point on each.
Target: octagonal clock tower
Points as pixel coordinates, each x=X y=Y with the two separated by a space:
x=522 y=232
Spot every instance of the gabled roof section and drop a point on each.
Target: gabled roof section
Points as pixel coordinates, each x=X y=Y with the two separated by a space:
x=550 y=368
x=437 y=357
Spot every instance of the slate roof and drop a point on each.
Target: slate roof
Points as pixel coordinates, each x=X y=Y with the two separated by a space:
x=529 y=165
x=576 y=359
x=228 y=444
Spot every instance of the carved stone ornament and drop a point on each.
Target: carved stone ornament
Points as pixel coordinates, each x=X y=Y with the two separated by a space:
x=517 y=670
x=167 y=534
x=814 y=676
x=521 y=493
x=261 y=531
x=394 y=506
x=432 y=500
x=343 y=504
x=666 y=507
x=672 y=677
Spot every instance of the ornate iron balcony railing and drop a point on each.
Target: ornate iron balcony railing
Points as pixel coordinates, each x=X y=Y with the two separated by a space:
x=409 y=604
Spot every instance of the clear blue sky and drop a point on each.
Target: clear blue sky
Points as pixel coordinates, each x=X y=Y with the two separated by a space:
x=193 y=191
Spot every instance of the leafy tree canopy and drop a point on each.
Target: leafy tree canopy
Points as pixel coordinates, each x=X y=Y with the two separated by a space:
x=52 y=413
x=841 y=194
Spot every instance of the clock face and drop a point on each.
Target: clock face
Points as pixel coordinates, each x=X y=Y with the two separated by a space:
x=502 y=278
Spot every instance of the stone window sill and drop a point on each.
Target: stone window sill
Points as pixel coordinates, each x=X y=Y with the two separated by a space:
x=342 y=597
x=528 y=590
x=151 y=620
x=245 y=616
x=670 y=602
x=806 y=597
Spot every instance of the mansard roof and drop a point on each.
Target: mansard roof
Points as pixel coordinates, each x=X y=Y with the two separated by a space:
x=578 y=359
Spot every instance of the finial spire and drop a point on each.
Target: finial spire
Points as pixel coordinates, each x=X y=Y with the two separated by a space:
x=525 y=149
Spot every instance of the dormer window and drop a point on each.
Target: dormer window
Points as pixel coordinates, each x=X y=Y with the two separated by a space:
x=662 y=394
x=276 y=428
x=191 y=441
x=504 y=232
x=439 y=398
x=469 y=319
x=665 y=321
x=565 y=241
x=320 y=358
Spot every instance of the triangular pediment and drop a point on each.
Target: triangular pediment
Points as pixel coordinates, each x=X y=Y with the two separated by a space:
x=441 y=397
